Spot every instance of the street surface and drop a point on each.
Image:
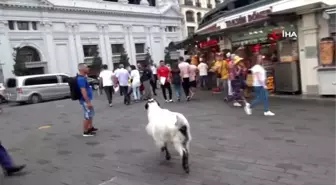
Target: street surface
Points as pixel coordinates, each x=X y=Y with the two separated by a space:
x=295 y=147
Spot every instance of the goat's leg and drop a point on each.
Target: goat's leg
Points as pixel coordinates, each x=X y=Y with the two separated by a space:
x=165 y=149
x=183 y=151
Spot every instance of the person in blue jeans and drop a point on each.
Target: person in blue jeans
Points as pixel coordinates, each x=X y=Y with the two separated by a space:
x=176 y=80
x=85 y=100
x=7 y=163
x=260 y=89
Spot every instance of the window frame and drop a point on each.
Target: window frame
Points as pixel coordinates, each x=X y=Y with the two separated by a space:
x=40 y=78
x=87 y=53
x=144 y=48
x=18 y=23
x=117 y=53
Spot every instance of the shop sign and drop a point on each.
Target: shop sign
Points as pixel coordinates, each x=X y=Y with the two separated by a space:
x=248 y=18
x=210 y=42
x=277 y=34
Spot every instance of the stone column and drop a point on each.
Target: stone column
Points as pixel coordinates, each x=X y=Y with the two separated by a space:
x=308 y=39
x=132 y=44
x=6 y=54
x=163 y=41
x=50 y=48
x=102 y=48
x=72 y=47
x=149 y=39
x=129 y=44
x=78 y=41
x=108 y=47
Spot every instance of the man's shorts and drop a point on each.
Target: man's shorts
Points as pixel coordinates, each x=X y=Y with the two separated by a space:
x=88 y=112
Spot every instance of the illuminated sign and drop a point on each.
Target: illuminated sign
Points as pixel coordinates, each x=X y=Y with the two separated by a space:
x=248 y=18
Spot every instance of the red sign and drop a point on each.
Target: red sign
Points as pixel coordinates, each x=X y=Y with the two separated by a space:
x=274 y=36
x=249 y=18
x=210 y=42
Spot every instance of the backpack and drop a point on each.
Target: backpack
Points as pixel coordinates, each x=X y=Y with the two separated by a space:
x=75 y=93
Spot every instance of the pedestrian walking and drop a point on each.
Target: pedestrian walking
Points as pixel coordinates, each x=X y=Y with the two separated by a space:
x=154 y=79
x=7 y=164
x=192 y=77
x=221 y=69
x=85 y=100
x=106 y=79
x=176 y=80
x=115 y=73
x=163 y=74
x=203 y=73
x=135 y=78
x=237 y=84
x=259 y=84
x=184 y=68
x=123 y=76
x=145 y=79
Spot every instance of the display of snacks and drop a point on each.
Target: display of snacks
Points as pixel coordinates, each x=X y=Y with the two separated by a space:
x=270 y=83
x=327 y=50
x=287 y=59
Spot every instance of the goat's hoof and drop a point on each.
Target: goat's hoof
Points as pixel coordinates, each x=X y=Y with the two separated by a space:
x=187 y=170
x=168 y=157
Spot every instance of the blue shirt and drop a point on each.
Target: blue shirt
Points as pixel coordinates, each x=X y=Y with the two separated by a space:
x=83 y=83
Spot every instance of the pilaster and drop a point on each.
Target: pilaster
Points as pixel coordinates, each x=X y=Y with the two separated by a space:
x=72 y=47
x=102 y=48
x=6 y=58
x=163 y=41
x=108 y=47
x=129 y=44
x=78 y=42
x=149 y=39
x=50 y=47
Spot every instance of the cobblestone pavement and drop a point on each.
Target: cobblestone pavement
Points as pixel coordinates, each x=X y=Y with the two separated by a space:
x=296 y=147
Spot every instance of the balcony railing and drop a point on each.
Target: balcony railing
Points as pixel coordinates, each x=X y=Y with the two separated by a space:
x=190 y=19
x=198 y=4
x=188 y=2
x=209 y=5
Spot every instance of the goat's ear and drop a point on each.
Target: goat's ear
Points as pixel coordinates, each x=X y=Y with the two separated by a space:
x=146 y=106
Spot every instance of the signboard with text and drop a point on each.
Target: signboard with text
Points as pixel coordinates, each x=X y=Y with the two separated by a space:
x=255 y=16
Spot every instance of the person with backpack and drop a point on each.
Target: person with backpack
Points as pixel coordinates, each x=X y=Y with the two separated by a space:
x=81 y=90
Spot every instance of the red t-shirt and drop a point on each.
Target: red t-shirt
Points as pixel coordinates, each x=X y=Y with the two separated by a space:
x=163 y=71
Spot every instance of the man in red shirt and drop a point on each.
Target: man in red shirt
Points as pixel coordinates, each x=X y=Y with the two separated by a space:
x=163 y=76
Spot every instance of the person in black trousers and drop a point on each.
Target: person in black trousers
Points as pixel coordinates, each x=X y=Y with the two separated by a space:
x=106 y=80
x=154 y=79
x=184 y=68
x=163 y=72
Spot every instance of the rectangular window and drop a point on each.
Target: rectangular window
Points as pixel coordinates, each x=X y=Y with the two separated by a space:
x=34 y=25
x=23 y=25
x=11 y=25
x=64 y=78
x=41 y=80
x=117 y=49
x=170 y=29
x=11 y=83
x=139 y=48
x=90 y=50
x=191 y=30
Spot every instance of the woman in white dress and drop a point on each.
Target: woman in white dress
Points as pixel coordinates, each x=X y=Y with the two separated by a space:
x=135 y=76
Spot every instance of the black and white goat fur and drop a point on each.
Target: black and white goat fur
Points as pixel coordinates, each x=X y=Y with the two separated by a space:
x=169 y=127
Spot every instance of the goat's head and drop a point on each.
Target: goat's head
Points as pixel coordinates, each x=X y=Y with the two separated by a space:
x=151 y=102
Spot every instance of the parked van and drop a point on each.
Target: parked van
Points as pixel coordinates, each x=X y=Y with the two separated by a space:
x=37 y=88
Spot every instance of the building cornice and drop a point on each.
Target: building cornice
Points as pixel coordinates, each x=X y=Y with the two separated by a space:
x=46 y=5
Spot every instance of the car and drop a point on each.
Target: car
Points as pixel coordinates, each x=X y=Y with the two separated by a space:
x=37 y=88
x=2 y=93
x=94 y=83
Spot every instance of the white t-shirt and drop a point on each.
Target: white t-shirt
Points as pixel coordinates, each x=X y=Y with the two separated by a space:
x=153 y=68
x=122 y=76
x=192 y=72
x=203 y=69
x=184 y=68
x=135 y=75
x=106 y=76
x=262 y=75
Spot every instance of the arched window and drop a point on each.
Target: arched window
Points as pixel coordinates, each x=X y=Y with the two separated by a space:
x=28 y=54
x=199 y=16
x=190 y=16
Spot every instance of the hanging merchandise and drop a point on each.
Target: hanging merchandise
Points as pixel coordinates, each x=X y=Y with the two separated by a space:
x=327 y=50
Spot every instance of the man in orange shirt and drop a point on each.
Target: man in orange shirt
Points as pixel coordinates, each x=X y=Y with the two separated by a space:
x=221 y=67
x=163 y=75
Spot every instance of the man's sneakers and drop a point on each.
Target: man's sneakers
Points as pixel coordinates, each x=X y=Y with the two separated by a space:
x=247 y=109
x=237 y=104
x=110 y=104
x=169 y=101
x=90 y=132
x=12 y=170
x=269 y=113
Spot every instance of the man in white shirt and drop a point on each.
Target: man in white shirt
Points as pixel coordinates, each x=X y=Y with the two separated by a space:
x=203 y=72
x=123 y=76
x=260 y=88
x=115 y=73
x=184 y=68
x=106 y=79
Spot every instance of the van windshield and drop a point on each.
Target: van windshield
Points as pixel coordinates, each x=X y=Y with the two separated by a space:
x=11 y=83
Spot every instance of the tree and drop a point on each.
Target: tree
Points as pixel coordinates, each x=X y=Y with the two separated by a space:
x=19 y=67
x=148 y=58
x=96 y=64
x=124 y=58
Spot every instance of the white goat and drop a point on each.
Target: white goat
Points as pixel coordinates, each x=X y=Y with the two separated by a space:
x=169 y=127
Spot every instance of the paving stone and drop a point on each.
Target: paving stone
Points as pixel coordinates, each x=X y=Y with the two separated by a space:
x=228 y=147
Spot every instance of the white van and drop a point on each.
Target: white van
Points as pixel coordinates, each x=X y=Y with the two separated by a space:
x=37 y=88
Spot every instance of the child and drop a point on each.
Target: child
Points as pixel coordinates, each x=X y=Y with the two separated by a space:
x=238 y=83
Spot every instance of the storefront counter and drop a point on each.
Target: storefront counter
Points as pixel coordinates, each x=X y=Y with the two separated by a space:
x=327 y=80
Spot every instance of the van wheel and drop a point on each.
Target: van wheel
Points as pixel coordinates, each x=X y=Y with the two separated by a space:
x=35 y=99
